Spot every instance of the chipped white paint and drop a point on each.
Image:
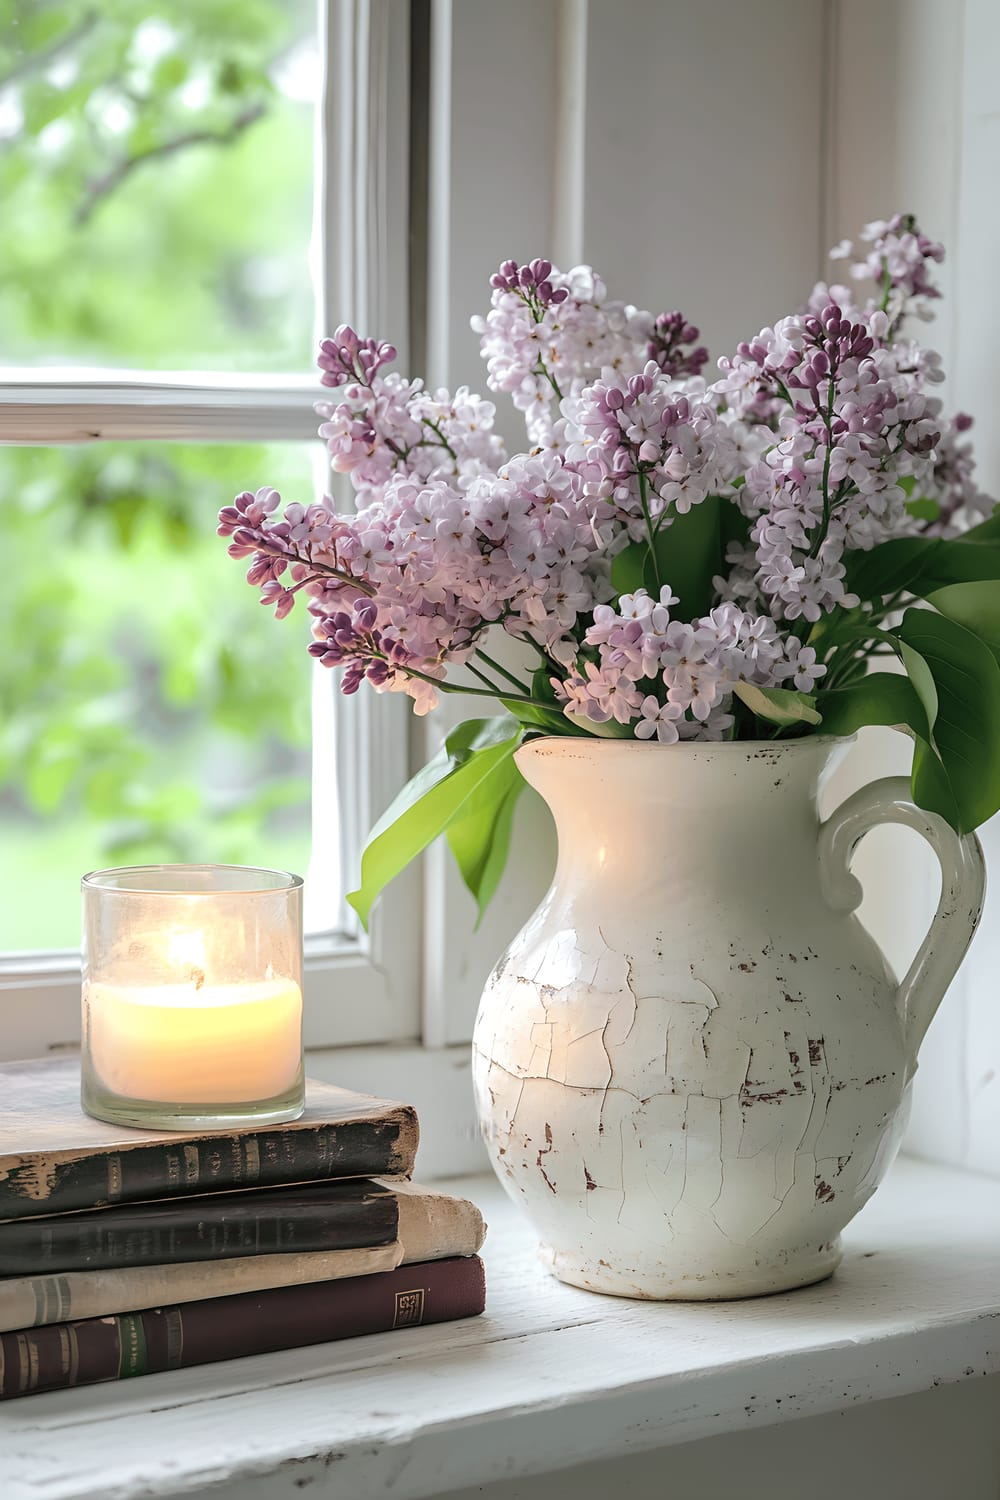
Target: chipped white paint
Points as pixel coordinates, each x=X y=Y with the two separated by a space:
x=692 y=1064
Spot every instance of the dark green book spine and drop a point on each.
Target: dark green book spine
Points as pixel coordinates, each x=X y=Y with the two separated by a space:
x=316 y=1216
x=213 y=1163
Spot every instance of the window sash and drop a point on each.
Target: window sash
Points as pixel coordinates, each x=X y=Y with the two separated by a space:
x=66 y=406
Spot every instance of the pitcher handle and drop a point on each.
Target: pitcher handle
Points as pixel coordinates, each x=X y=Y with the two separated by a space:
x=963 y=886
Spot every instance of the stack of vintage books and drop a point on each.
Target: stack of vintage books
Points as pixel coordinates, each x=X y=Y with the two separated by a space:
x=125 y=1252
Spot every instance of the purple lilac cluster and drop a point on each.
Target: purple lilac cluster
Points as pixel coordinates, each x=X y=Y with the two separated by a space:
x=950 y=500
x=674 y=680
x=670 y=332
x=384 y=425
x=408 y=585
x=852 y=425
x=821 y=433
x=652 y=448
x=549 y=333
x=898 y=260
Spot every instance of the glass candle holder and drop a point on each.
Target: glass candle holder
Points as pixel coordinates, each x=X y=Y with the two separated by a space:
x=192 y=996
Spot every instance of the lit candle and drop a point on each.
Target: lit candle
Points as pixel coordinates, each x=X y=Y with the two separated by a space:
x=186 y=1013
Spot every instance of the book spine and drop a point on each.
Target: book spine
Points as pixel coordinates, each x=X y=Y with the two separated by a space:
x=216 y=1163
x=34 y=1301
x=195 y=1333
x=318 y=1218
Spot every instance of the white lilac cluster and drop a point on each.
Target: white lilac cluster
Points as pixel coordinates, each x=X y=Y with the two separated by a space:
x=675 y=680
x=819 y=438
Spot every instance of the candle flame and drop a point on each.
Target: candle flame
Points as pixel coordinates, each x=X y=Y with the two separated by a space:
x=186 y=950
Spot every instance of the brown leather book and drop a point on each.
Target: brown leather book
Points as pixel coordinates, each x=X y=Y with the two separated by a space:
x=427 y=1225
x=197 y=1333
x=55 y=1159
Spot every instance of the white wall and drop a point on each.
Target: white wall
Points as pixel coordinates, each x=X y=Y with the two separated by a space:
x=957 y=1104
x=917 y=120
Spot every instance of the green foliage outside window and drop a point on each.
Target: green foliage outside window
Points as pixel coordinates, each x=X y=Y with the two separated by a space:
x=156 y=176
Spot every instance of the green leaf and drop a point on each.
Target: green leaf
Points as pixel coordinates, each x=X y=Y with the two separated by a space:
x=974 y=605
x=881 y=698
x=538 y=716
x=920 y=565
x=628 y=568
x=170 y=72
x=961 y=781
x=430 y=801
x=782 y=706
x=541 y=686
x=609 y=730
x=479 y=837
x=932 y=785
x=545 y=712
x=924 y=509
x=986 y=531
x=922 y=681
x=690 y=551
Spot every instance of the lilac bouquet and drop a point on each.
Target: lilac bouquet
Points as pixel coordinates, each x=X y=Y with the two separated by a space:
x=679 y=558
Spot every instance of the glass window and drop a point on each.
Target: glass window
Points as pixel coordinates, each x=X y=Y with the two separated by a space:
x=168 y=172
x=156 y=173
x=150 y=709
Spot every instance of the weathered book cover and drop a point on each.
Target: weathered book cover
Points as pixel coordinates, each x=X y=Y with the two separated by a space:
x=34 y=1301
x=432 y=1226
x=55 y=1159
x=196 y=1333
x=310 y=1216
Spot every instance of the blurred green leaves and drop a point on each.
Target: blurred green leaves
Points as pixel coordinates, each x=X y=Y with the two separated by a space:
x=156 y=179
x=145 y=697
x=155 y=173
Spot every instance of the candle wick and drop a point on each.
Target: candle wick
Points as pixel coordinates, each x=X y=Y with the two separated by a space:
x=198 y=975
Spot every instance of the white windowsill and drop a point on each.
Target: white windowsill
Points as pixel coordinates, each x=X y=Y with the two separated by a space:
x=550 y=1376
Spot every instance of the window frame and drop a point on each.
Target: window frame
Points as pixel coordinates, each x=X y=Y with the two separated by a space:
x=359 y=987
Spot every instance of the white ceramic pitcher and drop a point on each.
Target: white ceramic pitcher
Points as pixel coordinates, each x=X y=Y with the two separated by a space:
x=692 y=1064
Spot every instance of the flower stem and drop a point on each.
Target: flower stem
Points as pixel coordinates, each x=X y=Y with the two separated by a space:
x=434 y=426
x=522 y=687
x=322 y=568
x=540 y=369
x=453 y=687
x=824 y=524
x=494 y=689
x=650 y=531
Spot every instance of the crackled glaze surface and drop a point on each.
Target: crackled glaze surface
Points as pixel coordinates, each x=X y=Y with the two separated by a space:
x=692 y=1064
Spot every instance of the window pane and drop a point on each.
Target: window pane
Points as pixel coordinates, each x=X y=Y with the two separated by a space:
x=150 y=709
x=156 y=181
